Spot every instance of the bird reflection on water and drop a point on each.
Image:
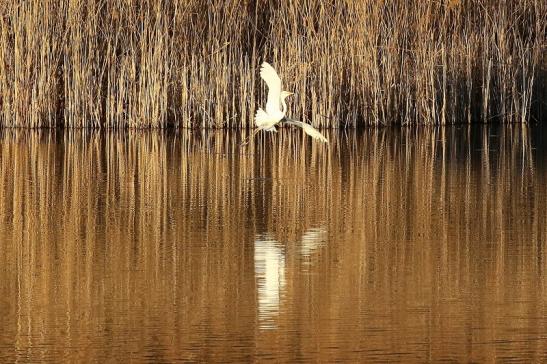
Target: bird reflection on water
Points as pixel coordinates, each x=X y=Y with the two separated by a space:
x=269 y=259
x=270 y=271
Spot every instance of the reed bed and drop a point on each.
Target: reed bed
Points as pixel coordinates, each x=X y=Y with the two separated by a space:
x=194 y=63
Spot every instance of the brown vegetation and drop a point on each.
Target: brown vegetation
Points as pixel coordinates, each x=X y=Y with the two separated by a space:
x=194 y=63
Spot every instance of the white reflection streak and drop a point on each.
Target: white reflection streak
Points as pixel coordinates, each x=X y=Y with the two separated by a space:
x=270 y=278
x=312 y=240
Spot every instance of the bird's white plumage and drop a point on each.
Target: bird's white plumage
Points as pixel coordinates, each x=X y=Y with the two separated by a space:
x=270 y=76
x=276 y=107
x=308 y=129
x=265 y=121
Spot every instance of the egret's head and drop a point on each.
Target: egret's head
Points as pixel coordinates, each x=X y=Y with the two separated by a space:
x=285 y=94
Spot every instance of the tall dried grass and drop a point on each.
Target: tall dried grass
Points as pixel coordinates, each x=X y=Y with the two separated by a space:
x=193 y=63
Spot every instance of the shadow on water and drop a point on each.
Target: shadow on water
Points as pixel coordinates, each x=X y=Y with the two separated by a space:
x=405 y=245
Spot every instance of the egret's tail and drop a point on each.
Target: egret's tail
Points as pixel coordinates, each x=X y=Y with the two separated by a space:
x=261 y=118
x=264 y=121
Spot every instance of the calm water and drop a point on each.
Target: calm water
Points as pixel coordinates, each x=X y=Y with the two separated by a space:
x=390 y=245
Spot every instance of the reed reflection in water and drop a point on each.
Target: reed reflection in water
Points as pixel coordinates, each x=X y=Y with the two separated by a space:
x=390 y=245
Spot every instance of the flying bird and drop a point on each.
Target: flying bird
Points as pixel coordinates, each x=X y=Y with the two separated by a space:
x=276 y=108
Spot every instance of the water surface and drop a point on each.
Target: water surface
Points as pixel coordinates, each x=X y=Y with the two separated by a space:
x=400 y=245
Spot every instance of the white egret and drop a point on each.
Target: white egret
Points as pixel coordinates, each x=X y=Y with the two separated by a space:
x=276 y=108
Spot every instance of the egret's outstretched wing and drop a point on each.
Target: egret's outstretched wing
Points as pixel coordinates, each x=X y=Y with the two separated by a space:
x=268 y=74
x=308 y=129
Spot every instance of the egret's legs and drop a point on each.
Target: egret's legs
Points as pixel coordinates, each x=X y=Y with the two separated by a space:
x=246 y=141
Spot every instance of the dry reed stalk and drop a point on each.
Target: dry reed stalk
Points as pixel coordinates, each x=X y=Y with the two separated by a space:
x=194 y=63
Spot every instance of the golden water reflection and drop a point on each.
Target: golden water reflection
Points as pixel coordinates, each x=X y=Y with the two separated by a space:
x=390 y=245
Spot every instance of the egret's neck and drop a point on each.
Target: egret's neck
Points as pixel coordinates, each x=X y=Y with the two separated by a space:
x=283 y=106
